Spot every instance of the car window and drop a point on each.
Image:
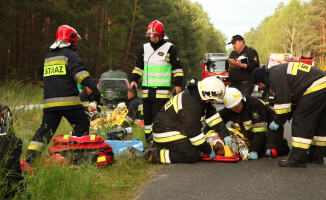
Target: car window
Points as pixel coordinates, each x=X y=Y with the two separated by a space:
x=114 y=84
x=216 y=66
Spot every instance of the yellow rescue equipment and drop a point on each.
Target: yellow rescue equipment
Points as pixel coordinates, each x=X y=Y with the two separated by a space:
x=115 y=118
x=118 y=115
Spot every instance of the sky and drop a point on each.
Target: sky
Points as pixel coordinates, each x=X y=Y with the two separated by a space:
x=234 y=17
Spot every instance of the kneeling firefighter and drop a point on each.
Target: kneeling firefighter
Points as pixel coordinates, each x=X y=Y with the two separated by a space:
x=251 y=117
x=177 y=129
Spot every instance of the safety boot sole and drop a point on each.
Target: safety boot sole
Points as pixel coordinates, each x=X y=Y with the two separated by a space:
x=291 y=163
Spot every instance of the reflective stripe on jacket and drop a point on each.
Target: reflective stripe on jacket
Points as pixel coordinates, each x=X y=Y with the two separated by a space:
x=60 y=70
x=180 y=120
x=291 y=81
x=157 y=71
x=252 y=121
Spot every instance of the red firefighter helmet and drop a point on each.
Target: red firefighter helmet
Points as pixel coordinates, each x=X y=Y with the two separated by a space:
x=155 y=28
x=68 y=34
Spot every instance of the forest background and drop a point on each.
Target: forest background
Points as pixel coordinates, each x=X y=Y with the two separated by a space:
x=113 y=32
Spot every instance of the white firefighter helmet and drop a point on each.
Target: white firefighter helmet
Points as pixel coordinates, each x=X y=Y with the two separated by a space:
x=211 y=88
x=232 y=97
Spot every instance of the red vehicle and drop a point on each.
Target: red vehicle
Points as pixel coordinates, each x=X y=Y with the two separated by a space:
x=214 y=65
x=279 y=58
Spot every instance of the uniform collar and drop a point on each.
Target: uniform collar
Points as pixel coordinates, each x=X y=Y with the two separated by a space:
x=157 y=45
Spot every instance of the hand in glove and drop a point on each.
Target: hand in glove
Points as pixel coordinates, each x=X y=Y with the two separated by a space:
x=273 y=126
x=212 y=155
x=268 y=153
x=228 y=141
x=271 y=153
x=253 y=156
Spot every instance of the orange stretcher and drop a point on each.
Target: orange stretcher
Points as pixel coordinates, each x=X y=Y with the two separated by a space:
x=234 y=158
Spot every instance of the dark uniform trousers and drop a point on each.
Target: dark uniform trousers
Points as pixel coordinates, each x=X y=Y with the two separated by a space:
x=276 y=140
x=177 y=152
x=51 y=120
x=11 y=180
x=309 y=120
x=245 y=87
x=150 y=109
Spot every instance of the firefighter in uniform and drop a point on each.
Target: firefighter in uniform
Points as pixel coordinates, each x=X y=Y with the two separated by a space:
x=157 y=63
x=91 y=101
x=300 y=94
x=240 y=72
x=12 y=180
x=135 y=109
x=177 y=130
x=60 y=72
x=251 y=117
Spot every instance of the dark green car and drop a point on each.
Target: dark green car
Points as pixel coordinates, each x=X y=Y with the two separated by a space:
x=113 y=86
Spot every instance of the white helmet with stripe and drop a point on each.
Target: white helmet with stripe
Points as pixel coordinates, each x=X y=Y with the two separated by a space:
x=232 y=97
x=211 y=88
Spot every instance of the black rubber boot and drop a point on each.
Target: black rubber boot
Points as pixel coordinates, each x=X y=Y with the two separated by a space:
x=289 y=162
x=315 y=160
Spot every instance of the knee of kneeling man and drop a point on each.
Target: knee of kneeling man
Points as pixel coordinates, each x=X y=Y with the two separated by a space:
x=192 y=156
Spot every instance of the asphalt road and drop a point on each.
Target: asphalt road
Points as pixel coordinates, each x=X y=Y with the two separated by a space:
x=254 y=179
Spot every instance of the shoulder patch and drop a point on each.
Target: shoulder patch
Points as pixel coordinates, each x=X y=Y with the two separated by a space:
x=255 y=115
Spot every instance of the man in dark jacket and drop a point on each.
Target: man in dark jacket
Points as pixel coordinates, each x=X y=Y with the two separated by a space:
x=300 y=94
x=240 y=64
x=12 y=180
x=251 y=117
x=177 y=129
x=60 y=71
x=135 y=108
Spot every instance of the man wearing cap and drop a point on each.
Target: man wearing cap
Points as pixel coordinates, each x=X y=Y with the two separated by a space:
x=300 y=94
x=240 y=64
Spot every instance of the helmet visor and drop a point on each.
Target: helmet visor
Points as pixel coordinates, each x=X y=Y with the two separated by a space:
x=211 y=95
x=152 y=35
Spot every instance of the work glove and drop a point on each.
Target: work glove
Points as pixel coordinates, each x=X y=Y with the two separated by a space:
x=253 y=156
x=273 y=126
x=228 y=141
x=212 y=155
x=269 y=153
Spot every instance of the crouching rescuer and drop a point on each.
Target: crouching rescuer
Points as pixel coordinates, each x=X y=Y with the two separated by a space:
x=177 y=129
x=251 y=117
x=61 y=70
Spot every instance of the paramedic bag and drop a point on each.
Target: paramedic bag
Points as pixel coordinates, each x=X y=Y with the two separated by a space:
x=78 y=150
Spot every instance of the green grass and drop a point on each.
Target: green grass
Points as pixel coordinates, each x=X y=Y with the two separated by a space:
x=121 y=180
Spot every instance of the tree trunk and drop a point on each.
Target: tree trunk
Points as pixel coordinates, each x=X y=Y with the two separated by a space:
x=130 y=37
x=100 y=41
x=9 y=49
